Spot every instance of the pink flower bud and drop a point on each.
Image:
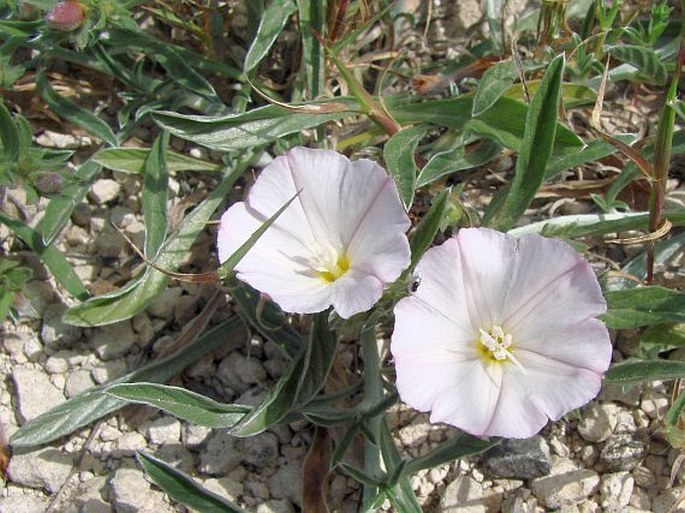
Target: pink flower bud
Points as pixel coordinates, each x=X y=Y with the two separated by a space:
x=66 y=16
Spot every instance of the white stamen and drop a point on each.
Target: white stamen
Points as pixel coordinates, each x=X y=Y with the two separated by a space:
x=498 y=343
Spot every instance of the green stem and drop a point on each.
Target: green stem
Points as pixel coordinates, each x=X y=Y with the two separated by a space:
x=373 y=394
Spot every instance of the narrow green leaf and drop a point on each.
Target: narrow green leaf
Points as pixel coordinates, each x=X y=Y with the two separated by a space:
x=428 y=228
x=401 y=494
x=665 y=336
x=644 y=306
x=53 y=259
x=94 y=403
x=318 y=359
x=591 y=152
x=398 y=154
x=460 y=158
x=275 y=17
x=275 y=406
x=9 y=136
x=154 y=196
x=132 y=160
x=134 y=298
x=184 y=489
x=181 y=403
x=456 y=447
x=246 y=130
x=18 y=28
x=494 y=83
x=268 y=319
x=645 y=370
x=647 y=62
x=74 y=113
x=60 y=208
x=538 y=140
x=312 y=18
x=505 y=121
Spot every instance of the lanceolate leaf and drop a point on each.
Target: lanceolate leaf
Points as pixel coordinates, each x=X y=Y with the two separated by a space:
x=493 y=84
x=631 y=371
x=247 y=130
x=399 y=157
x=73 y=113
x=132 y=160
x=275 y=16
x=53 y=259
x=644 y=59
x=460 y=158
x=155 y=186
x=428 y=228
x=183 y=488
x=456 y=447
x=645 y=306
x=538 y=140
x=181 y=403
x=132 y=299
x=95 y=403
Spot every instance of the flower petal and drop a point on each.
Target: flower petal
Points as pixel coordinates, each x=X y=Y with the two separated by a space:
x=442 y=287
x=551 y=286
x=585 y=345
x=554 y=387
x=355 y=292
x=485 y=258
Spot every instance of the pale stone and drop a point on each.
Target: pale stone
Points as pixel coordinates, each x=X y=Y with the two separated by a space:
x=566 y=484
x=35 y=393
x=104 y=191
x=45 y=468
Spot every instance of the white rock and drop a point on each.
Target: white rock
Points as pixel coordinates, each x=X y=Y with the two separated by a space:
x=466 y=495
x=32 y=349
x=467 y=14
x=104 y=190
x=166 y=430
x=598 y=421
x=35 y=393
x=109 y=371
x=239 y=372
x=194 y=435
x=131 y=493
x=225 y=486
x=60 y=362
x=260 y=450
x=566 y=484
x=415 y=433
x=286 y=483
x=23 y=504
x=78 y=382
x=113 y=341
x=219 y=455
x=163 y=304
x=127 y=444
x=654 y=405
x=275 y=507
x=615 y=489
x=45 y=468
x=177 y=456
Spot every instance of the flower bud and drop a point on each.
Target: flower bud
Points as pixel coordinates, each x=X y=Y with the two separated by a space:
x=66 y=16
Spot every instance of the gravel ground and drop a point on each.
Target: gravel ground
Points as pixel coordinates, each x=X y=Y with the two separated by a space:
x=610 y=456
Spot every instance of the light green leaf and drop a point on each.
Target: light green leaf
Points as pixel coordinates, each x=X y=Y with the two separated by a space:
x=183 y=488
x=645 y=370
x=181 y=403
x=154 y=196
x=312 y=18
x=132 y=160
x=74 y=113
x=460 y=158
x=644 y=59
x=398 y=154
x=456 y=447
x=428 y=228
x=275 y=17
x=134 y=298
x=53 y=259
x=494 y=83
x=644 y=306
x=94 y=403
x=246 y=130
x=60 y=208
x=538 y=140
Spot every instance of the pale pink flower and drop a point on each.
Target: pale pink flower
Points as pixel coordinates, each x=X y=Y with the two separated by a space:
x=500 y=334
x=338 y=243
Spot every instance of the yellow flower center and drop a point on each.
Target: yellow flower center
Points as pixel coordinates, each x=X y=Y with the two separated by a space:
x=496 y=346
x=332 y=272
